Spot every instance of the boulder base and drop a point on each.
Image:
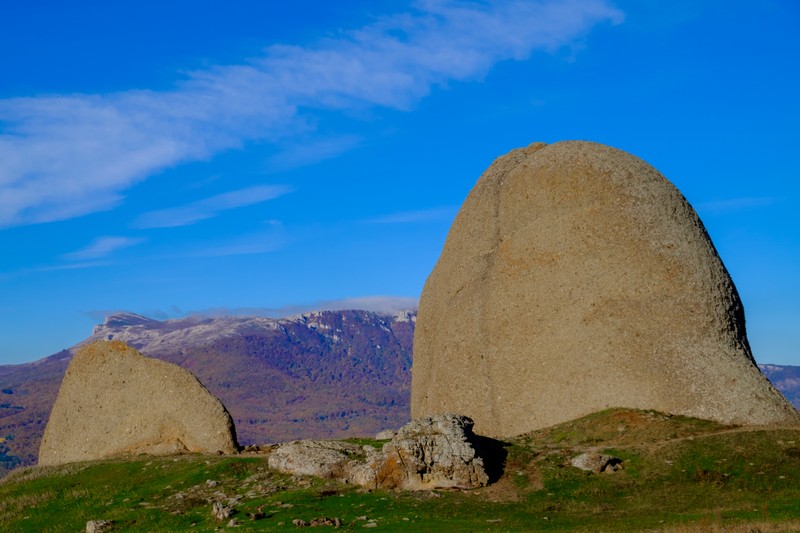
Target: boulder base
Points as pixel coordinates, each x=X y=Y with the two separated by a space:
x=114 y=401
x=576 y=278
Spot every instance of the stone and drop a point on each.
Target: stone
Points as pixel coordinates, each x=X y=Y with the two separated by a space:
x=113 y=401
x=386 y=434
x=432 y=452
x=597 y=462
x=576 y=278
x=318 y=458
x=98 y=526
x=258 y=514
x=220 y=512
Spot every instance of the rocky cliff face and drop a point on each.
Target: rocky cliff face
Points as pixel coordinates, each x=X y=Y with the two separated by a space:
x=329 y=374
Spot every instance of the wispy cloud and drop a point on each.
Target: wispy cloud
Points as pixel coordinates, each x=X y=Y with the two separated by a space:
x=210 y=207
x=735 y=204
x=101 y=247
x=267 y=240
x=423 y=215
x=65 y=156
x=378 y=304
x=307 y=153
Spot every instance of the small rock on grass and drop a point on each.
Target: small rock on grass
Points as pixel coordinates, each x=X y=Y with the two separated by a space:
x=597 y=462
x=322 y=521
x=220 y=512
x=98 y=526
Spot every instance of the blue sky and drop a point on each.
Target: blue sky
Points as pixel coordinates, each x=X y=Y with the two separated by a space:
x=263 y=157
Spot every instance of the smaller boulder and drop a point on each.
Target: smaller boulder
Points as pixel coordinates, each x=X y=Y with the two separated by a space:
x=98 y=526
x=436 y=451
x=597 y=462
x=318 y=458
x=114 y=401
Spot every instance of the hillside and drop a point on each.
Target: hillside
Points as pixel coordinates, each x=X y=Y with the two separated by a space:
x=329 y=374
x=676 y=474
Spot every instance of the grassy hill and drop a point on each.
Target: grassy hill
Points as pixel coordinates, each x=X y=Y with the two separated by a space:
x=679 y=474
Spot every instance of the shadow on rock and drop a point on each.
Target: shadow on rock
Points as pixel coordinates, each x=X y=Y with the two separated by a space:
x=494 y=455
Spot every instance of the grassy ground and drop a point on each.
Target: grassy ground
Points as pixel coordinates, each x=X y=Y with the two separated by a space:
x=679 y=474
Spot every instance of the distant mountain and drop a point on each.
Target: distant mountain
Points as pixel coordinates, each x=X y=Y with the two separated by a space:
x=786 y=379
x=327 y=374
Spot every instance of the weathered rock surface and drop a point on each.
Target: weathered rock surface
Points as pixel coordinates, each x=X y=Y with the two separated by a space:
x=386 y=434
x=114 y=401
x=319 y=458
x=597 y=462
x=432 y=452
x=575 y=278
x=98 y=526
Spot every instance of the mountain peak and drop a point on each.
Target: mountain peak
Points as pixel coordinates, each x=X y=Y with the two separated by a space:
x=123 y=319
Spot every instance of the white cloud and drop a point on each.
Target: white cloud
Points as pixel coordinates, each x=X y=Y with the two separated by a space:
x=65 y=156
x=307 y=153
x=210 y=207
x=423 y=215
x=378 y=304
x=68 y=266
x=255 y=245
x=102 y=247
x=735 y=204
x=270 y=239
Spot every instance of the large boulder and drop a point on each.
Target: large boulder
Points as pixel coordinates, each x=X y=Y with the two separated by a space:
x=575 y=278
x=114 y=401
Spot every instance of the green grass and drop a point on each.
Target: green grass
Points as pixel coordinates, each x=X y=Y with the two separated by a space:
x=679 y=474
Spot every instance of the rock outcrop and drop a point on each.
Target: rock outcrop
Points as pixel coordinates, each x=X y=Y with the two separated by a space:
x=318 y=458
x=431 y=452
x=575 y=278
x=114 y=401
x=597 y=462
x=428 y=453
